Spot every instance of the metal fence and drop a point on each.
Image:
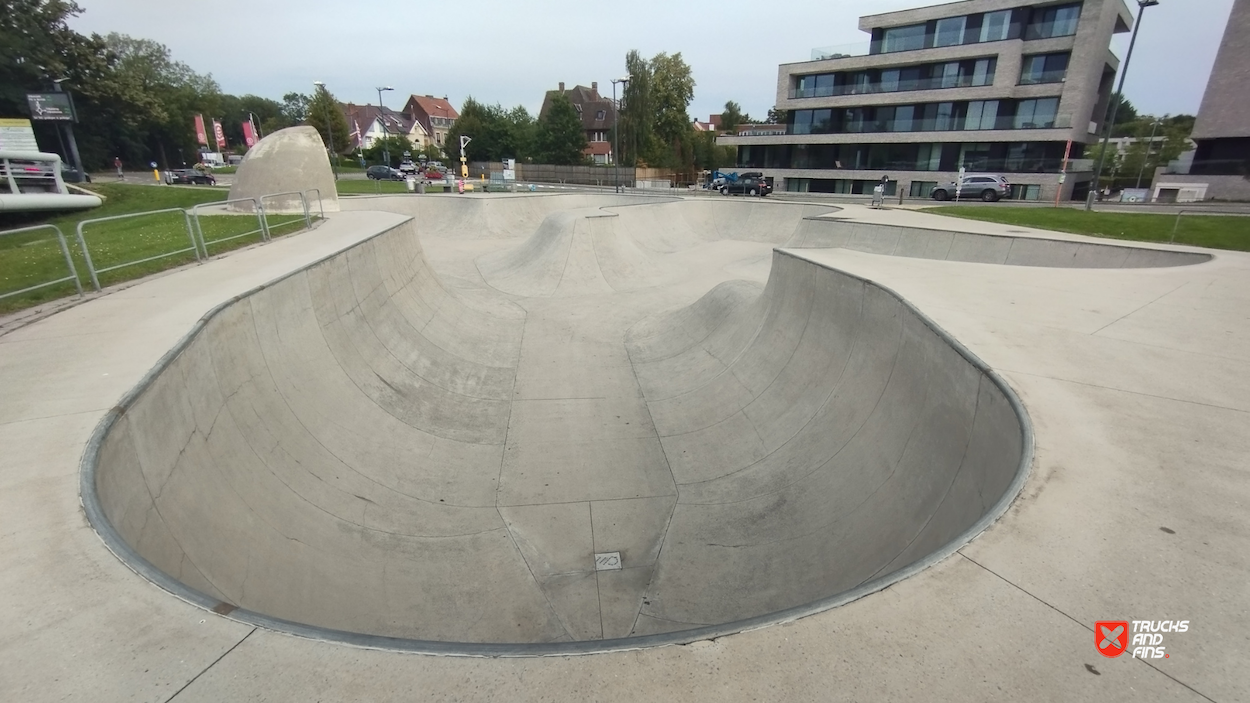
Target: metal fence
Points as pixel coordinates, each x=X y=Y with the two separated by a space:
x=262 y=228
x=1214 y=213
x=69 y=262
x=198 y=242
x=96 y=271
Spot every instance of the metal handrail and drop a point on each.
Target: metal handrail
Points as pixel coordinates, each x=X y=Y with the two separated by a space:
x=1191 y=211
x=303 y=201
x=86 y=253
x=320 y=205
x=260 y=216
x=69 y=261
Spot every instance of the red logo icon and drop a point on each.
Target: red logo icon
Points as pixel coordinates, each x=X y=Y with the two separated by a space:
x=1111 y=637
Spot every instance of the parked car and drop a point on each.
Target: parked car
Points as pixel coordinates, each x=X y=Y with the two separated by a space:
x=989 y=188
x=407 y=166
x=382 y=172
x=190 y=176
x=752 y=185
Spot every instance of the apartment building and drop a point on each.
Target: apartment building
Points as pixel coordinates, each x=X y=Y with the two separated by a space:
x=1008 y=87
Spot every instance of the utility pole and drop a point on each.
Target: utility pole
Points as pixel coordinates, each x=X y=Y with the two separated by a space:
x=386 y=153
x=616 y=131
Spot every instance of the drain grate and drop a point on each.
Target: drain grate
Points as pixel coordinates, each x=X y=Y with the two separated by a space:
x=607 y=561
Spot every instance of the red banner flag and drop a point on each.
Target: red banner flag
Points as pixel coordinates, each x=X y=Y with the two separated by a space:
x=249 y=136
x=219 y=134
x=201 y=134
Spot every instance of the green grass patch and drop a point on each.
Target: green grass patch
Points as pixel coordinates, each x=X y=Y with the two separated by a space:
x=1213 y=231
x=372 y=187
x=35 y=257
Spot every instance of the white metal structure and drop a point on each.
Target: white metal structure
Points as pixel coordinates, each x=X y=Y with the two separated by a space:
x=31 y=180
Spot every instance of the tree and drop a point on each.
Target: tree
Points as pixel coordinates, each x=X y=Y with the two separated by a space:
x=392 y=146
x=561 y=139
x=295 y=108
x=672 y=89
x=732 y=116
x=497 y=133
x=324 y=109
x=637 y=119
x=777 y=116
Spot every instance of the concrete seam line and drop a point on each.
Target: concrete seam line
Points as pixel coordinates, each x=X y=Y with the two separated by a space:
x=132 y=559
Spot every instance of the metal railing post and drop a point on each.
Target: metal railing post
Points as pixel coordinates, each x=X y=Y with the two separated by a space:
x=86 y=255
x=260 y=219
x=191 y=234
x=1176 y=226
x=307 y=216
x=69 y=261
x=200 y=229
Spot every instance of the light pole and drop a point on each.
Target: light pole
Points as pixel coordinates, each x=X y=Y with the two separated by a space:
x=1115 y=105
x=1149 y=145
x=386 y=154
x=334 y=162
x=616 y=132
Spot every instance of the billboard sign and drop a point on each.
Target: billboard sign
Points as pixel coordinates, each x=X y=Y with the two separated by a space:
x=249 y=135
x=50 y=107
x=17 y=135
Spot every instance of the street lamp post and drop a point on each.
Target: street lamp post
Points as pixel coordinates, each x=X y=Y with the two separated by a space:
x=1149 y=145
x=616 y=132
x=386 y=154
x=1115 y=105
x=334 y=162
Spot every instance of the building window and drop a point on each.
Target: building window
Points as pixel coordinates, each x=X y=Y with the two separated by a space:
x=1036 y=114
x=601 y=114
x=922 y=189
x=1050 y=22
x=903 y=38
x=1021 y=191
x=950 y=31
x=996 y=26
x=982 y=114
x=1044 y=68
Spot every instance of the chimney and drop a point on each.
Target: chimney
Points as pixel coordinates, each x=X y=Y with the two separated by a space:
x=594 y=87
x=561 y=86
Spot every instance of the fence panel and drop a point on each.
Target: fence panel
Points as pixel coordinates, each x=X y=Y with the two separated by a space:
x=32 y=262
x=282 y=209
x=219 y=220
x=155 y=236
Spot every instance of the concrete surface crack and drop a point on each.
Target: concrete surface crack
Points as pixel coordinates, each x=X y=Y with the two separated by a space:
x=214 y=663
x=1078 y=622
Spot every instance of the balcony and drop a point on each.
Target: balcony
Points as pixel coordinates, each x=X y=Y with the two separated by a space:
x=900 y=86
x=940 y=124
x=840 y=51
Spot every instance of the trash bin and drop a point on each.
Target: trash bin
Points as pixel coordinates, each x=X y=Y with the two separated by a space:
x=412 y=184
x=421 y=187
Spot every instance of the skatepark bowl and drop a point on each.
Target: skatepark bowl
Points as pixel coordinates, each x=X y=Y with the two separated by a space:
x=544 y=424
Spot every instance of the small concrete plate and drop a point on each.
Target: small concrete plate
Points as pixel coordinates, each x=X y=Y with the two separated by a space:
x=607 y=561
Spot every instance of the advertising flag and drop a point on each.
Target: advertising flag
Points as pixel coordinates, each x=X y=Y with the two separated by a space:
x=249 y=134
x=219 y=134
x=201 y=134
x=360 y=138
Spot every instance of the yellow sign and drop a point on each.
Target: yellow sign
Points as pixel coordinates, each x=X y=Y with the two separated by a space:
x=17 y=135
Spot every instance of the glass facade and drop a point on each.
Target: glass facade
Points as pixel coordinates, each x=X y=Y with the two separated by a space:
x=991 y=157
x=1055 y=21
x=1025 y=22
x=1039 y=113
x=930 y=76
x=1044 y=68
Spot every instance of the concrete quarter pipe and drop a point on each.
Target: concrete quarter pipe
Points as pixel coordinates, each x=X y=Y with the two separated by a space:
x=561 y=460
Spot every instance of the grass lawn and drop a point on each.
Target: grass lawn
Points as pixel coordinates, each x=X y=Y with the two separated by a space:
x=372 y=187
x=35 y=257
x=1214 y=231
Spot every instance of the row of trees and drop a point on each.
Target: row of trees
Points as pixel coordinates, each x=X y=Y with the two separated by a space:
x=133 y=100
x=1156 y=141
x=498 y=133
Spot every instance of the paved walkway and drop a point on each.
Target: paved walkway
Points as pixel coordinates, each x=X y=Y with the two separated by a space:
x=1134 y=510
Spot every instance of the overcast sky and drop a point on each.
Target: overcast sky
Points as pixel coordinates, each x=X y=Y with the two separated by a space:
x=511 y=52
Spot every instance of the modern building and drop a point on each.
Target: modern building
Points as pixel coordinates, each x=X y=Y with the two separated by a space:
x=436 y=116
x=598 y=117
x=1220 y=167
x=994 y=86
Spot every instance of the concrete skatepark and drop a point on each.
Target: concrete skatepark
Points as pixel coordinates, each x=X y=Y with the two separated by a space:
x=414 y=428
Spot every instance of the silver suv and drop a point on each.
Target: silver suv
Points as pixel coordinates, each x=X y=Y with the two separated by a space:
x=989 y=188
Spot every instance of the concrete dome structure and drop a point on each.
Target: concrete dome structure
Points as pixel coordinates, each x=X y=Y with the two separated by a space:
x=288 y=161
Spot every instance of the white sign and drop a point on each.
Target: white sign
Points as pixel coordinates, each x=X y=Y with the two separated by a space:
x=17 y=135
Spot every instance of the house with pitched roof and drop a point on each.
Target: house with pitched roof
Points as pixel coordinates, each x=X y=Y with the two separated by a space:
x=598 y=118
x=367 y=123
x=435 y=115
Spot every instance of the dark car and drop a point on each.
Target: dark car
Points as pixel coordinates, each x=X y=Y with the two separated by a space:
x=382 y=172
x=747 y=185
x=988 y=188
x=190 y=176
